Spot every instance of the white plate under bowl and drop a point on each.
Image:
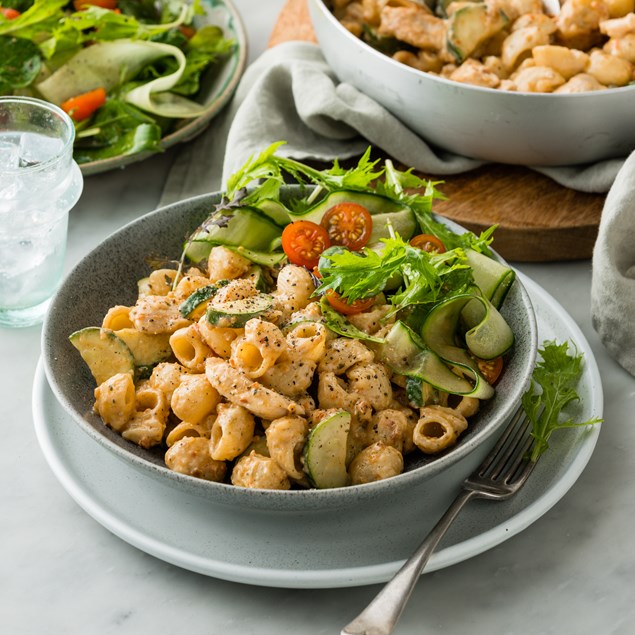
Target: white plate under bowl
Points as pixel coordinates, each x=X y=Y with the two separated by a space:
x=218 y=86
x=308 y=550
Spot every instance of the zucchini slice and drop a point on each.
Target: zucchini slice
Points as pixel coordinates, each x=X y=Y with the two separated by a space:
x=471 y=25
x=237 y=313
x=245 y=226
x=105 y=354
x=325 y=451
x=489 y=335
x=408 y=355
x=147 y=349
x=493 y=278
x=199 y=297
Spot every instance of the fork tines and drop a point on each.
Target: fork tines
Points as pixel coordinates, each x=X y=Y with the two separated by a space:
x=509 y=459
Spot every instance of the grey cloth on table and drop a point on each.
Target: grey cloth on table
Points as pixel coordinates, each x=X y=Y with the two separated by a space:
x=290 y=94
x=613 y=285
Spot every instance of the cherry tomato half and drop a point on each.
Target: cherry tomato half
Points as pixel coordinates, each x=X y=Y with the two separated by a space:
x=348 y=224
x=490 y=368
x=303 y=242
x=428 y=243
x=342 y=306
x=9 y=13
x=83 y=106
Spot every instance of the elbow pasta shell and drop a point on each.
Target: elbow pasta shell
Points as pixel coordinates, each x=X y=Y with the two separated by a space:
x=225 y=264
x=519 y=44
x=437 y=429
x=295 y=287
x=374 y=463
x=623 y=47
x=145 y=429
x=286 y=438
x=371 y=382
x=239 y=289
x=258 y=349
x=166 y=377
x=150 y=399
x=188 y=284
x=290 y=377
x=608 y=69
x=307 y=341
x=161 y=281
x=117 y=318
x=190 y=348
x=259 y=472
x=232 y=432
x=194 y=398
x=332 y=393
x=190 y=455
x=342 y=353
x=115 y=400
x=468 y=406
x=186 y=429
x=218 y=338
x=392 y=428
x=157 y=314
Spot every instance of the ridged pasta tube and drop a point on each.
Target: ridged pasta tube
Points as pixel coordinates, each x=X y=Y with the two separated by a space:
x=194 y=398
x=259 y=472
x=115 y=400
x=232 y=432
x=258 y=349
x=190 y=455
x=239 y=389
x=285 y=440
x=374 y=463
x=438 y=428
x=190 y=348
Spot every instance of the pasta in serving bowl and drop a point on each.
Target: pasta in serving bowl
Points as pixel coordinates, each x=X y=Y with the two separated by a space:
x=498 y=80
x=224 y=414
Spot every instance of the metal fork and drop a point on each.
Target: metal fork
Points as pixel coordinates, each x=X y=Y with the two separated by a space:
x=502 y=473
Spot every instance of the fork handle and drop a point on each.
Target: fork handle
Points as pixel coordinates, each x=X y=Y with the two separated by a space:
x=381 y=615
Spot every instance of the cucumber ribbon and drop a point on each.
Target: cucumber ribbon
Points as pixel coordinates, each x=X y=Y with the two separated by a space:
x=110 y=64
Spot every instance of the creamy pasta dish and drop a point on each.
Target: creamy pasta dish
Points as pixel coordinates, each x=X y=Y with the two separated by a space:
x=323 y=364
x=512 y=45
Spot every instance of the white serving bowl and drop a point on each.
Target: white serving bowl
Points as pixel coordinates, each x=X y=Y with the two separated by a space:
x=483 y=123
x=108 y=276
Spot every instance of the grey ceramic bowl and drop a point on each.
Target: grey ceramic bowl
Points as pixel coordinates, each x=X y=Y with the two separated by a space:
x=217 y=88
x=483 y=123
x=108 y=276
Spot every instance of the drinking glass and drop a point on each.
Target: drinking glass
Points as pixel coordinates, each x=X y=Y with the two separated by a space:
x=39 y=184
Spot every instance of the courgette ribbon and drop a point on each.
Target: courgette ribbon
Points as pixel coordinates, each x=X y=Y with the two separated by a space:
x=111 y=64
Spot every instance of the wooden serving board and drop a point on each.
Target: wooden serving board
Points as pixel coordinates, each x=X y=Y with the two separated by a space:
x=538 y=220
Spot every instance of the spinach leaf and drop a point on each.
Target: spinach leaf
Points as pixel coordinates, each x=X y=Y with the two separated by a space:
x=117 y=129
x=21 y=63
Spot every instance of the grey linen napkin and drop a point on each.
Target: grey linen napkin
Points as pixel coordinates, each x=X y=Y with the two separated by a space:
x=613 y=278
x=290 y=94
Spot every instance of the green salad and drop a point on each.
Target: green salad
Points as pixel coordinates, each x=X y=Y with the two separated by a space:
x=126 y=71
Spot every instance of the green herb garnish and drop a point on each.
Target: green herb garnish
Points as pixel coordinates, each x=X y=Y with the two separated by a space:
x=553 y=387
x=425 y=276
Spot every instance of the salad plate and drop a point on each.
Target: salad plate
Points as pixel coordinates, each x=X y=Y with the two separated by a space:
x=308 y=550
x=136 y=78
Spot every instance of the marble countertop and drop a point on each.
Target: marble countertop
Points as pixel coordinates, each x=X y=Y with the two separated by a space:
x=570 y=572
